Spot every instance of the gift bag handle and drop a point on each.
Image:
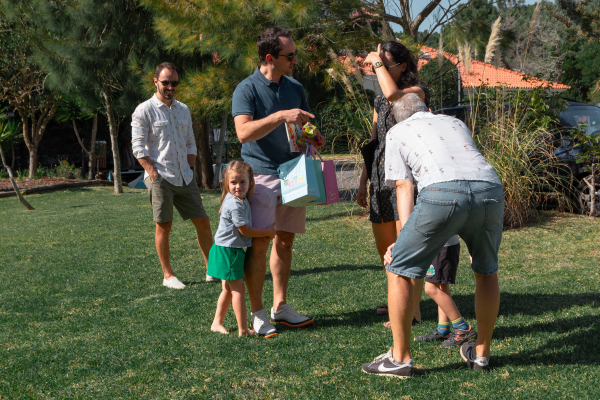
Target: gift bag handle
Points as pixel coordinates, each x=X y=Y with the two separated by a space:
x=311 y=151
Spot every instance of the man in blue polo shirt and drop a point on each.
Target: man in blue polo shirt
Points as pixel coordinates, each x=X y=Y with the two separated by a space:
x=262 y=104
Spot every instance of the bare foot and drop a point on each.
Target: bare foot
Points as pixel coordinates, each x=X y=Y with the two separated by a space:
x=247 y=332
x=219 y=328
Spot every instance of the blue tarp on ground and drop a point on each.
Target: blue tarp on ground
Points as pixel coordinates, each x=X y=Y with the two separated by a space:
x=137 y=183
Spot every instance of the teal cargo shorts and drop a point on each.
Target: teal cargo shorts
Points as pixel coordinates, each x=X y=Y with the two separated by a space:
x=473 y=210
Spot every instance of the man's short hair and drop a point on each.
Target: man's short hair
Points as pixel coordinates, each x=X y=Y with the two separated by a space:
x=268 y=42
x=406 y=106
x=170 y=66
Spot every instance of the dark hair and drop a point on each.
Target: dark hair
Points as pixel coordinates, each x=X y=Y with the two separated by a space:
x=268 y=42
x=400 y=54
x=170 y=66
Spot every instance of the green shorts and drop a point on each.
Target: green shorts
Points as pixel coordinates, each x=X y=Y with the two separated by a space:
x=226 y=263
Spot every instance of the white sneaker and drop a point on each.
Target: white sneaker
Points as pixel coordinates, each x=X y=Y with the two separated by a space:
x=287 y=316
x=173 y=283
x=212 y=278
x=261 y=324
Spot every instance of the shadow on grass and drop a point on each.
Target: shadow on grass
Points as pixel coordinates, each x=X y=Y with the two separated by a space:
x=326 y=217
x=576 y=344
x=527 y=304
x=330 y=269
x=192 y=283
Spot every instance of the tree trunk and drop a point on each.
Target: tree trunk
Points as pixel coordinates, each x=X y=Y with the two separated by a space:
x=219 y=159
x=33 y=161
x=558 y=65
x=92 y=153
x=112 y=127
x=593 y=193
x=387 y=32
x=14 y=184
x=203 y=159
x=38 y=128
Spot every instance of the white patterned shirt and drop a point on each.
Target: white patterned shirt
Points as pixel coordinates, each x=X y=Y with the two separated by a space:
x=430 y=148
x=165 y=135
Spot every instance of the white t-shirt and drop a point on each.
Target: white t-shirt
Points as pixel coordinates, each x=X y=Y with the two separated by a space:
x=429 y=148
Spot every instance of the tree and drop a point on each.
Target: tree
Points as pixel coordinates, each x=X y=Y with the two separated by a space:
x=204 y=29
x=589 y=185
x=8 y=131
x=400 y=12
x=580 y=21
x=89 y=47
x=23 y=84
x=70 y=110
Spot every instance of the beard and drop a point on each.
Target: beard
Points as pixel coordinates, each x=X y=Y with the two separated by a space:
x=165 y=93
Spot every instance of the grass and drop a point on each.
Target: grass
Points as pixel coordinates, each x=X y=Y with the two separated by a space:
x=83 y=313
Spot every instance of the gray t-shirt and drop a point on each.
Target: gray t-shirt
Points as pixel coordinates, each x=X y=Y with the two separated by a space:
x=234 y=214
x=259 y=97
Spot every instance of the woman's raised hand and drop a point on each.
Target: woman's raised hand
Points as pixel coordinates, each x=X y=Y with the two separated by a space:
x=374 y=56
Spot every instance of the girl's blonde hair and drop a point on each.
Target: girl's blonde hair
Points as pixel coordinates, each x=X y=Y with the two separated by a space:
x=238 y=166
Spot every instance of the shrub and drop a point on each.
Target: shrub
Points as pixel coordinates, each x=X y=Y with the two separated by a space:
x=513 y=132
x=346 y=120
x=67 y=170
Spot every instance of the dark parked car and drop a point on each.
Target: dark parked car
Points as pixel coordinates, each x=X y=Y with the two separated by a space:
x=566 y=152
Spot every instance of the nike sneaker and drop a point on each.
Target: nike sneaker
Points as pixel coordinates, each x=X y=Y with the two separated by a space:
x=386 y=365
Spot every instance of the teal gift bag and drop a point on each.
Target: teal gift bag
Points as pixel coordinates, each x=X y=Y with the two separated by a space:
x=322 y=200
x=299 y=185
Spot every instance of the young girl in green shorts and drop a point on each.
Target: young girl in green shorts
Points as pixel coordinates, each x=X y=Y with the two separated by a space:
x=226 y=257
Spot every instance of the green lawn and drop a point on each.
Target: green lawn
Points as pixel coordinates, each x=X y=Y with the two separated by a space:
x=83 y=313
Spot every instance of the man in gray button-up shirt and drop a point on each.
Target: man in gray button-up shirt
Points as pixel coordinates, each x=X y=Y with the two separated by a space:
x=163 y=142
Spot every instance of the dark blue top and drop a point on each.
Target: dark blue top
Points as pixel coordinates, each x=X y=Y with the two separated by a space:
x=260 y=97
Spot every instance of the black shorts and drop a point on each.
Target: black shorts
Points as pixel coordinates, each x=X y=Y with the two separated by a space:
x=443 y=269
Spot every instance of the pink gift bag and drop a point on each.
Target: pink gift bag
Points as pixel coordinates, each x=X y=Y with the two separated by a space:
x=330 y=180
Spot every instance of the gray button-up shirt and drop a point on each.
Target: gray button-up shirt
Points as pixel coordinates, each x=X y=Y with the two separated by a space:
x=165 y=135
x=430 y=148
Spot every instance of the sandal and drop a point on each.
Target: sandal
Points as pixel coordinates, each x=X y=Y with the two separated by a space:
x=382 y=310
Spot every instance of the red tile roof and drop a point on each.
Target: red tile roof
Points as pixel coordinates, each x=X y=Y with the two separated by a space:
x=481 y=73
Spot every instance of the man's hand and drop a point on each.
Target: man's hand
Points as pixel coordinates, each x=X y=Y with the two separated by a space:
x=271 y=231
x=387 y=258
x=361 y=195
x=296 y=116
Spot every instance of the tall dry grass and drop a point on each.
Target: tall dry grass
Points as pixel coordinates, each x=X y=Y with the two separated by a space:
x=515 y=140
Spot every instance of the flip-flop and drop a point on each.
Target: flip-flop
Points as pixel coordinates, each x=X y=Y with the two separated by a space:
x=382 y=310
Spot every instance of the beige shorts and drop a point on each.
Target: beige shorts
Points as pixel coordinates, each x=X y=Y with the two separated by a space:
x=164 y=195
x=267 y=208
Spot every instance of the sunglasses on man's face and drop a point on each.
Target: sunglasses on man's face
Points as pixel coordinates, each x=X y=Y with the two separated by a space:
x=290 y=56
x=173 y=83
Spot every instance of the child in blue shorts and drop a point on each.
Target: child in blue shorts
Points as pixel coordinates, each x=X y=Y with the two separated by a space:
x=226 y=257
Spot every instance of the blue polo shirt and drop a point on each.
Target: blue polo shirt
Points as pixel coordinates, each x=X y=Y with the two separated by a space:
x=260 y=97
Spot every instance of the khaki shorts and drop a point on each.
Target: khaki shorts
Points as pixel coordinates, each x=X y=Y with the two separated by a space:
x=266 y=207
x=164 y=195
